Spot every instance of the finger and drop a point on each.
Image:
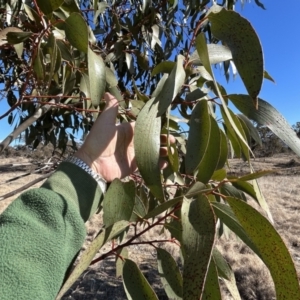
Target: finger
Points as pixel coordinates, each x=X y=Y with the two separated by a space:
x=110 y=112
x=163 y=151
x=164 y=139
x=163 y=164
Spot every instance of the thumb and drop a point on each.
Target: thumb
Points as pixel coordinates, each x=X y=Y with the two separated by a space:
x=110 y=112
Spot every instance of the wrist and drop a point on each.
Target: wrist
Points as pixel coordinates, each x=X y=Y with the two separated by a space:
x=78 y=161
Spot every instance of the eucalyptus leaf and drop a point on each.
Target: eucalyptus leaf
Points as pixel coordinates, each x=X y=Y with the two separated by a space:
x=135 y=284
x=211 y=287
x=172 y=86
x=267 y=115
x=169 y=274
x=118 y=202
x=242 y=40
x=217 y=54
x=198 y=235
x=147 y=145
x=97 y=75
x=266 y=239
x=47 y=7
x=77 y=32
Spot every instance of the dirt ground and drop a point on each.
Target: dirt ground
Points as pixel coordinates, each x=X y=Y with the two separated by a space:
x=281 y=189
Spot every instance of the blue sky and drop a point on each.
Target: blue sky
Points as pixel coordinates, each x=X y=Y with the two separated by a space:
x=278 y=29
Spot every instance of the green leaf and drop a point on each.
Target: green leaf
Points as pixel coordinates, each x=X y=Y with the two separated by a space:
x=228 y=190
x=169 y=274
x=244 y=146
x=160 y=85
x=219 y=175
x=256 y=175
x=88 y=255
x=246 y=187
x=268 y=76
x=227 y=216
x=162 y=207
x=48 y=6
x=223 y=150
x=209 y=163
x=65 y=51
x=55 y=57
x=216 y=53
x=199 y=136
x=111 y=79
x=135 y=284
x=172 y=86
x=272 y=249
x=267 y=115
x=203 y=52
x=242 y=40
x=5 y=31
x=163 y=67
x=225 y=272
x=253 y=131
x=211 y=287
x=198 y=236
x=140 y=209
x=118 y=202
x=32 y=14
x=97 y=72
x=77 y=32
x=38 y=64
x=69 y=80
x=123 y=252
x=261 y=199
x=231 y=133
x=17 y=37
x=147 y=146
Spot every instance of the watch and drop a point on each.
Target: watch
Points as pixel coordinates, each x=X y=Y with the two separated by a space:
x=78 y=162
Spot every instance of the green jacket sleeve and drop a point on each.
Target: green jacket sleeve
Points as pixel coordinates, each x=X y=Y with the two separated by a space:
x=42 y=231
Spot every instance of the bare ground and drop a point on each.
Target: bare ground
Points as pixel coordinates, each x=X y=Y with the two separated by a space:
x=282 y=191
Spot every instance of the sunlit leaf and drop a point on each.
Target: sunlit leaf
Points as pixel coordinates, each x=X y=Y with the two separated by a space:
x=217 y=54
x=211 y=287
x=268 y=76
x=226 y=273
x=171 y=87
x=267 y=115
x=272 y=249
x=198 y=235
x=245 y=46
x=227 y=216
x=97 y=75
x=147 y=145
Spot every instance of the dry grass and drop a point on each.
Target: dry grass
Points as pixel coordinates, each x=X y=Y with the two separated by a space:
x=282 y=191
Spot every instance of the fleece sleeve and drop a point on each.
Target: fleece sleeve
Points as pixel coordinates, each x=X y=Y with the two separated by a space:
x=42 y=231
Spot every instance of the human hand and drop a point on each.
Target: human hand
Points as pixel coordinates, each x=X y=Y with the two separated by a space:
x=109 y=148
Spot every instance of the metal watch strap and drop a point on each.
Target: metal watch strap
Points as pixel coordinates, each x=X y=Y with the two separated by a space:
x=78 y=162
